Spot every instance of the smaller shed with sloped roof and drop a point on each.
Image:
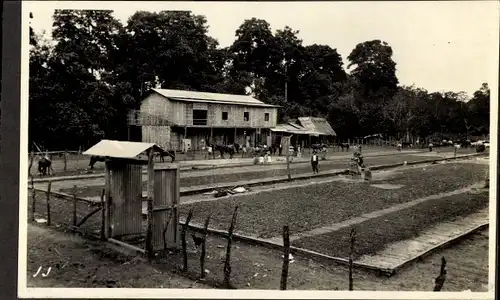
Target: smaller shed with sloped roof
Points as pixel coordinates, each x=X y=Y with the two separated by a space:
x=123 y=209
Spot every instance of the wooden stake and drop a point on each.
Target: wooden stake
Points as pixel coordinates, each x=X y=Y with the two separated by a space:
x=227 y=263
x=203 y=247
x=183 y=239
x=150 y=200
x=74 y=205
x=286 y=257
x=48 y=202
x=351 y=253
x=65 y=160
x=103 y=216
x=32 y=157
x=33 y=199
x=439 y=281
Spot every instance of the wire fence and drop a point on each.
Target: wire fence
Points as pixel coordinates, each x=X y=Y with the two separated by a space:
x=68 y=212
x=87 y=218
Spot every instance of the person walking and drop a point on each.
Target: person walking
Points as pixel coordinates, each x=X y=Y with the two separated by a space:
x=315 y=162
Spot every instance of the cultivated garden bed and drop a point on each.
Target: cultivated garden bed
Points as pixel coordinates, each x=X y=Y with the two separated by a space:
x=305 y=208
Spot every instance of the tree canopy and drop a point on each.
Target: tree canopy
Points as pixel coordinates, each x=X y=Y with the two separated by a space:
x=94 y=69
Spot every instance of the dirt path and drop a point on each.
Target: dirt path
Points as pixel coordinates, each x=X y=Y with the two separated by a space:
x=76 y=262
x=253 y=268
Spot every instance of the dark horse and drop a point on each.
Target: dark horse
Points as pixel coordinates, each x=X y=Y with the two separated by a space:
x=231 y=149
x=318 y=147
x=44 y=166
x=162 y=155
x=94 y=159
x=343 y=145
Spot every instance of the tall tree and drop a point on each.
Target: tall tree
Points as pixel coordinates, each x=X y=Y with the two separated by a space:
x=374 y=67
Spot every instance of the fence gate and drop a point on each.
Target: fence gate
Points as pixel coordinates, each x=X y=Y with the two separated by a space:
x=125 y=212
x=166 y=200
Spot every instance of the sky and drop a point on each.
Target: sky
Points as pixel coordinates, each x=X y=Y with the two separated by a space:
x=439 y=46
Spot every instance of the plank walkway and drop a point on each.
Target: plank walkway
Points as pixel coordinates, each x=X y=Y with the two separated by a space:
x=400 y=253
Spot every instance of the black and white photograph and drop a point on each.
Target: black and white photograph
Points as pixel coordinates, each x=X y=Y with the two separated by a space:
x=206 y=149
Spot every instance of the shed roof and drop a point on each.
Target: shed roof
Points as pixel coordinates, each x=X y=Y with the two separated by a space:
x=293 y=128
x=319 y=125
x=120 y=149
x=191 y=96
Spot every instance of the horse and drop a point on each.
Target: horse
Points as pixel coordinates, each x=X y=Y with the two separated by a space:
x=237 y=147
x=407 y=144
x=166 y=153
x=230 y=149
x=44 y=166
x=343 y=145
x=318 y=147
x=94 y=159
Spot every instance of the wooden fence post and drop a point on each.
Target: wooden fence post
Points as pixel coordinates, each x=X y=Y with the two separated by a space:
x=74 y=205
x=286 y=257
x=65 y=160
x=103 y=216
x=150 y=201
x=48 y=202
x=32 y=157
x=203 y=247
x=33 y=199
x=351 y=253
x=183 y=239
x=227 y=263
x=439 y=281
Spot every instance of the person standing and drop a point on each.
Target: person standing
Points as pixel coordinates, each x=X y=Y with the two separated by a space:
x=315 y=162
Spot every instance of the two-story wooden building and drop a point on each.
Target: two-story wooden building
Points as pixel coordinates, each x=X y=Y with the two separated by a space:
x=176 y=119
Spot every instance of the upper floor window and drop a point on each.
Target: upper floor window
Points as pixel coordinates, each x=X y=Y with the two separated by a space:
x=246 y=116
x=224 y=116
x=266 y=117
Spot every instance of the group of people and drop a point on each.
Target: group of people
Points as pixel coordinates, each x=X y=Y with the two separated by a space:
x=357 y=159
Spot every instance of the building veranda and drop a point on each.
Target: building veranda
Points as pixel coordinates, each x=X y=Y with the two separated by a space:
x=185 y=120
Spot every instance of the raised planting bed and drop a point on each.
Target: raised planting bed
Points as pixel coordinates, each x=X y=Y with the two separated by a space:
x=374 y=234
x=308 y=207
x=91 y=191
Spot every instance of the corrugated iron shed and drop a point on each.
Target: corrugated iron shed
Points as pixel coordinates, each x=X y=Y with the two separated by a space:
x=294 y=129
x=181 y=95
x=319 y=125
x=120 y=149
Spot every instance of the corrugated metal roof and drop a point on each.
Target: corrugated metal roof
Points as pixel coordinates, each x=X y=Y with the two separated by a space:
x=120 y=149
x=319 y=125
x=181 y=95
x=293 y=128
